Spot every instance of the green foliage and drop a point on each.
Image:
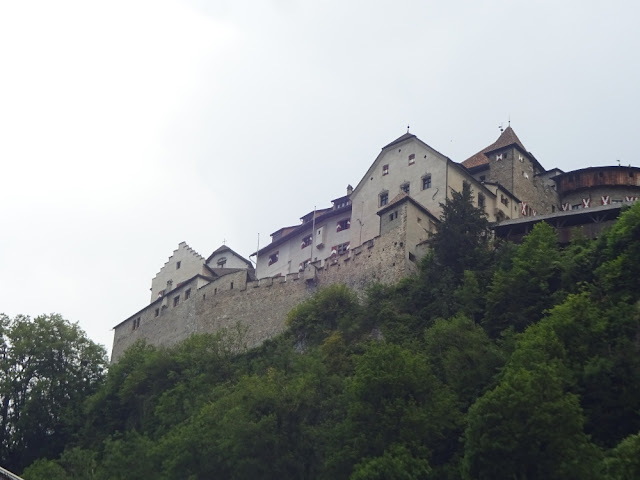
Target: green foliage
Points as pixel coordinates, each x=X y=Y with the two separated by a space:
x=394 y=399
x=332 y=308
x=396 y=463
x=495 y=361
x=463 y=356
x=519 y=296
x=461 y=244
x=43 y=469
x=528 y=427
x=48 y=367
x=623 y=462
x=463 y=234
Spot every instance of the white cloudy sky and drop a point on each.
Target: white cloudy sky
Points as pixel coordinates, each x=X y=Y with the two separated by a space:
x=127 y=127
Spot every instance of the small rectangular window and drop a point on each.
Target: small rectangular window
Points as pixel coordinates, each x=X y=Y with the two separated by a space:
x=426 y=182
x=306 y=241
x=157 y=312
x=385 y=169
x=393 y=215
x=136 y=323
x=273 y=258
x=384 y=199
x=412 y=159
x=187 y=293
x=340 y=249
x=176 y=301
x=343 y=225
x=178 y=265
x=231 y=287
x=405 y=188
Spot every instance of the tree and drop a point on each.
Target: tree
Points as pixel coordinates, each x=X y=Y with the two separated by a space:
x=332 y=308
x=623 y=462
x=519 y=295
x=48 y=367
x=395 y=400
x=461 y=243
x=528 y=427
x=463 y=356
x=462 y=236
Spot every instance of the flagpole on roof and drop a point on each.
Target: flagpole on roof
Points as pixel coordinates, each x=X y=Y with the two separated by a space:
x=313 y=232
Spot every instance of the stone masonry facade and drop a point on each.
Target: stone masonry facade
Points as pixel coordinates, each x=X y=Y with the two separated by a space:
x=377 y=233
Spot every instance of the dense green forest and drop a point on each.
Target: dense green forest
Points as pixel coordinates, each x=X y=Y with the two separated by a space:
x=495 y=361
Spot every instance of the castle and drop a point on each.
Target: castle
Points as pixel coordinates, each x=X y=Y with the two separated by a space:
x=377 y=232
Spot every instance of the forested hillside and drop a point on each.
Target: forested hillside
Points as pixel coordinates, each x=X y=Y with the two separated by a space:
x=497 y=361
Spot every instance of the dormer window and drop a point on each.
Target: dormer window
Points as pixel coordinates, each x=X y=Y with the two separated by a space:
x=385 y=169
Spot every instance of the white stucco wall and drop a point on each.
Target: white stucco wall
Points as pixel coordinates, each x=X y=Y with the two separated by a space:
x=232 y=260
x=365 y=198
x=190 y=265
x=291 y=254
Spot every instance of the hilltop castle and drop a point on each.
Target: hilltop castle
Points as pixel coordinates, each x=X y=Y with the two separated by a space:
x=377 y=232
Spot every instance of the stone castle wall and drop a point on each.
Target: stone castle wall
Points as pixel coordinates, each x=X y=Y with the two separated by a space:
x=261 y=306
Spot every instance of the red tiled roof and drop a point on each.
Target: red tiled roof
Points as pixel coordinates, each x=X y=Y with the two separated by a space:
x=506 y=138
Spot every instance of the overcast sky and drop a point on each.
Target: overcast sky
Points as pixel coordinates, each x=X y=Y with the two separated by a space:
x=127 y=127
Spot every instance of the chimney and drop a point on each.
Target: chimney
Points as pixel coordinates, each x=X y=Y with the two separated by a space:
x=349 y=189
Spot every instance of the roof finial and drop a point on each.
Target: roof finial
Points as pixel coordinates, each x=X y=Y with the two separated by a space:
x=501 y=129
x=509 y=120
x=407 y=128
x=224 y=241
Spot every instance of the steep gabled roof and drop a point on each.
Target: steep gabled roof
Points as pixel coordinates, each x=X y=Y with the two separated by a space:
x=223 y=249
x=400 y=139
x=506 y=139
x=403 y=197
x=403 y=138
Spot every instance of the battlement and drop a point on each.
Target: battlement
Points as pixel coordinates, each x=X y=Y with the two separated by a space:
x=202 y=305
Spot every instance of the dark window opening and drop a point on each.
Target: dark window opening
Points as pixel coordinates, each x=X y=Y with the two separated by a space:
x=178 y=265
x=405 y=188
x=481 y=201
x=412 y=159
x=157 y=312
x=176 y=301
x=231 y=287
x=273 y=258
x=340 y=249
x=187 y=293
x=343 y=225
x=385 y=169
x=426 y=182
x=384 y=199
x=306 y=241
